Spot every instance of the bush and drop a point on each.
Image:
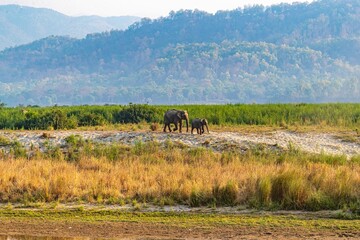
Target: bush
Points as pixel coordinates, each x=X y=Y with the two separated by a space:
x=136 y=113
x=4 y=141
x=91 y=119
x=18 y=150
x=198 y=198
x=226 y=195
x=319 y=201
x=154 y=126
x=289 y=190
x=264 y=188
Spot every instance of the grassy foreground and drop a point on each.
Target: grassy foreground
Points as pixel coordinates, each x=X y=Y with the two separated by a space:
x=181 y=219
x=174 y=174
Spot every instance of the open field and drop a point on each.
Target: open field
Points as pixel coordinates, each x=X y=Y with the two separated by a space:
x=244 y=184
x=286 y=180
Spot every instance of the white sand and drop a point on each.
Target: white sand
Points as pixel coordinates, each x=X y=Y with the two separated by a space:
x=308 y=142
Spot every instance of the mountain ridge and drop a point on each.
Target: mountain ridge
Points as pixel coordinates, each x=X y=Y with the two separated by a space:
x=236 y=56
x=20 y=24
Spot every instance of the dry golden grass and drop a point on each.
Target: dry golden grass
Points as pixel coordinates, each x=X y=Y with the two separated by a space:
x=189 y=176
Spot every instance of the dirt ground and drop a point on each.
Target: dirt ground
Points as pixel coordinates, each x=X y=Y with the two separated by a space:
x=133 y=230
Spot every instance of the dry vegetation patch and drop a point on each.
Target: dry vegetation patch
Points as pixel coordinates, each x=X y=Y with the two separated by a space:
x=152 y=173
x=258 y=170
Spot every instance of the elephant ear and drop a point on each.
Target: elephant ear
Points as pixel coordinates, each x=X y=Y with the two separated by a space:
x=179 y=114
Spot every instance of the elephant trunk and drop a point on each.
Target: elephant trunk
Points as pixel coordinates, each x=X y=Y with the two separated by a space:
x=207 y=128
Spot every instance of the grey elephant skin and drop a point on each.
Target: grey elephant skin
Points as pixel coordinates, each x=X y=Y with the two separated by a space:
x=199 y=125
x=176 y=117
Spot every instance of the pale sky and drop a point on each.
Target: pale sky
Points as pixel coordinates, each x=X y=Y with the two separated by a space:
x=141 y=8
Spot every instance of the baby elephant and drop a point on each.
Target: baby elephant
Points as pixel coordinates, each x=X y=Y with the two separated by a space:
x=199 y=125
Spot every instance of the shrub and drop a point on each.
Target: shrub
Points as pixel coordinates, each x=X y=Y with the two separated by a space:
x=18 y=150
x=75 y=144
x=198 y=198
x=142 y=148
x=136 y=113
x=4 y=141
x=91 y=119
x=354 y=207
x=226 y=195
x=290 y=190
x=74 y=141
x=319 y=201
x=154 y=127
x=46 y=135
x=264 y=188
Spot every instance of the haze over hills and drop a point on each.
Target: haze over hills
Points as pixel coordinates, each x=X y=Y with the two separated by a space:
x=20 y=25
x=297 y=52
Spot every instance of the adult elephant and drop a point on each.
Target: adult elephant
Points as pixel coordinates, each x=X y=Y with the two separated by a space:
x=199 y=125
x=176 y=116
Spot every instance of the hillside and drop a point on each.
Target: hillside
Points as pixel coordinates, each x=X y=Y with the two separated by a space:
x=297 y=52
x=20 y=25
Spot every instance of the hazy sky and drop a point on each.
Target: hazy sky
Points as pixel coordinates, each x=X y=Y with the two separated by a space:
x=141 y=8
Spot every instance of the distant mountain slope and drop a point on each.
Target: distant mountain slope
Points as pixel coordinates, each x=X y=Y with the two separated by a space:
x=285 y=53
x=20 y=25
x=327 y=25
x=55 y=71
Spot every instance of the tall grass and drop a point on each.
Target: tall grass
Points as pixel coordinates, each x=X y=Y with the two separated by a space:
x=342 y=115
x=150 y=172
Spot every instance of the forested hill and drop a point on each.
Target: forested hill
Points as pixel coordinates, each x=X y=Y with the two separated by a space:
x=301 y=52
x=20 y=24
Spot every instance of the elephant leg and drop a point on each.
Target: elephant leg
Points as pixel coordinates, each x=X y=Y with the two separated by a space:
x=168 y=126
x=176 y=126
x=192 y=129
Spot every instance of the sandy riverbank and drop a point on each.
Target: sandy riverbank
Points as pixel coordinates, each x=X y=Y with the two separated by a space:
x=327 y=143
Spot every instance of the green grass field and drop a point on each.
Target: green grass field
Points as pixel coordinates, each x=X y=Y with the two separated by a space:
x=182 y=219
x=339 y=115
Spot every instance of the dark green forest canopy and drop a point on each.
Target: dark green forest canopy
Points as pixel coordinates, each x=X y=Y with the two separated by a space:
x=300 y=52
